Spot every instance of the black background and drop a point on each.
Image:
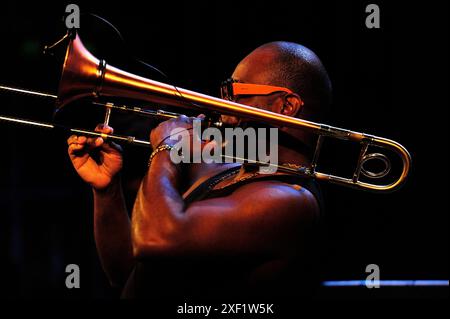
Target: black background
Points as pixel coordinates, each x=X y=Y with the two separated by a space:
x=391 y=82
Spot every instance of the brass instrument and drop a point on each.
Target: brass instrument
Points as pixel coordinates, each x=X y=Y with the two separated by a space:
x=84 y=76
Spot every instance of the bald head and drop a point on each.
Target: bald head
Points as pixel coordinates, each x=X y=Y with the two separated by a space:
x=293 y=66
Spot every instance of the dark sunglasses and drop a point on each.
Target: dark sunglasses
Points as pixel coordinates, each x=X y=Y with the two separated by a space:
x=232 y=88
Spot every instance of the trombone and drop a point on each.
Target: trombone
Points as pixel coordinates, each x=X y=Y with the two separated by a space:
x=158 y=114
x=84 y=76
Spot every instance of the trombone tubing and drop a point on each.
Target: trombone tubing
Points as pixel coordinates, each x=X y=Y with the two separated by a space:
x=113 y=137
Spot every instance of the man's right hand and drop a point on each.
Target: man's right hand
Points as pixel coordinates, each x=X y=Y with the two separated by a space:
x=96 y=161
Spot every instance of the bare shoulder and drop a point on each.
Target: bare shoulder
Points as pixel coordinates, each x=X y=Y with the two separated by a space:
x=289 y=200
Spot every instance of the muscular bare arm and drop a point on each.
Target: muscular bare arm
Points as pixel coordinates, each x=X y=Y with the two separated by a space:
x=259 y=218
x=112 y=233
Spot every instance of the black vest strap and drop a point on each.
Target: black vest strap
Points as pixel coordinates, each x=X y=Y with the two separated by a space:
x=206 y=191
x=202 y=190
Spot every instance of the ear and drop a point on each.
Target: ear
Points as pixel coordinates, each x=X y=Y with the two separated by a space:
x=292 y=104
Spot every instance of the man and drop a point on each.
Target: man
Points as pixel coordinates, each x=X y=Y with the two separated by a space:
x=244 y=233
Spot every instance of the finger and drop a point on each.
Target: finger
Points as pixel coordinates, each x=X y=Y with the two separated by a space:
x=102 y=128
x=71 y=139
x=94 y=142
x=201 y=116
x=99 y=141
x=74 y=139
x=74 y=148
x=81 y=139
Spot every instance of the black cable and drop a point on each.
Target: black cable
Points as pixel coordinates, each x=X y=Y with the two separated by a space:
x=116 y=30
